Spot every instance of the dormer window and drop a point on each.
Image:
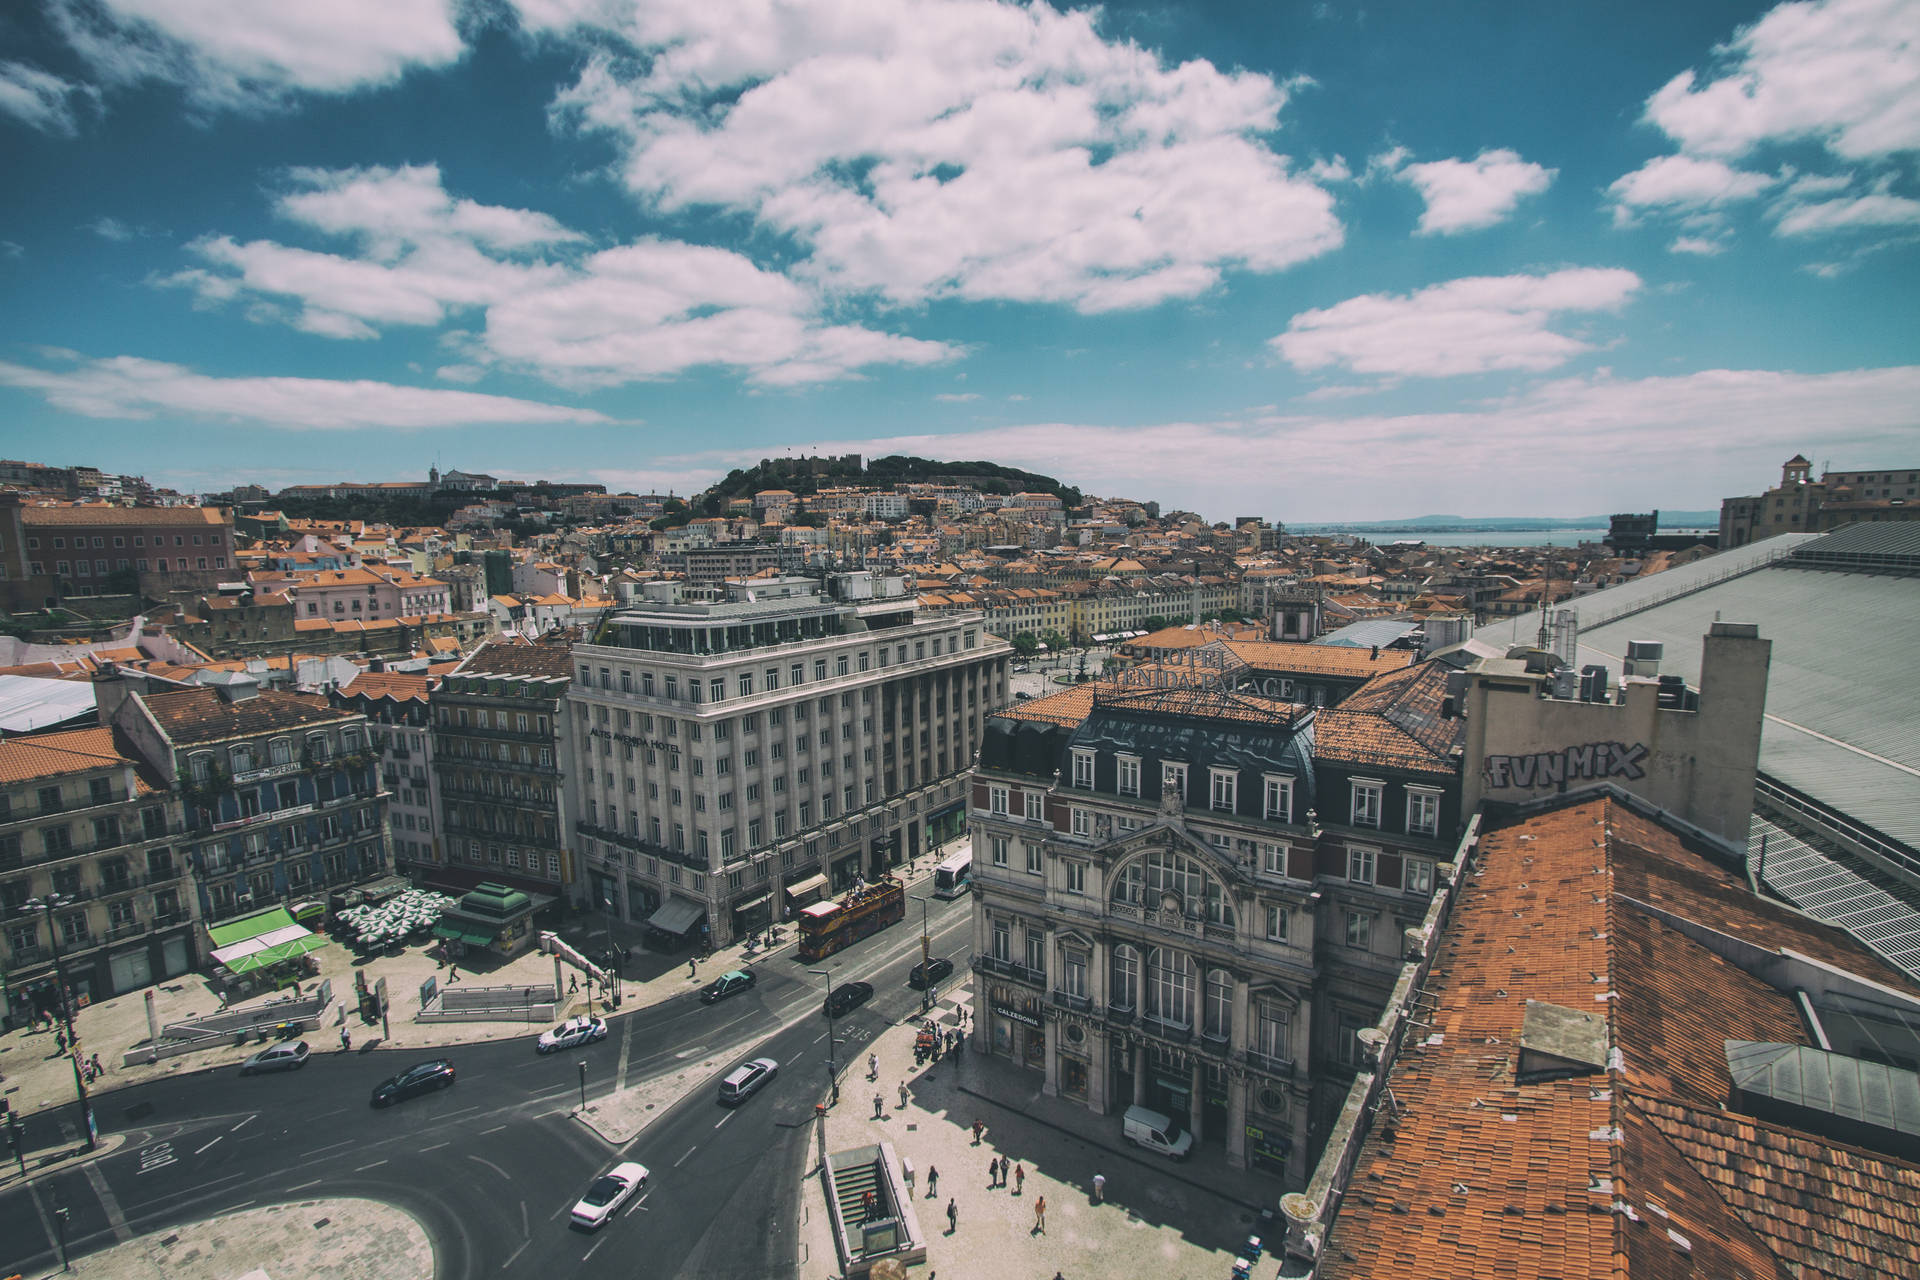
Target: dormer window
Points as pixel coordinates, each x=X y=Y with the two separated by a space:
x=1083 y=768
x=1278 y=801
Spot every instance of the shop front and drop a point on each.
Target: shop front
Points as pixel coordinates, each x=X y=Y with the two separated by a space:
x=949 y=823
x=804 y=893
x=1076 y=1071
x=1018 y=1031
x=752 y=915
x=1169 y=1083
x=1267 y=1149
x=680 y=922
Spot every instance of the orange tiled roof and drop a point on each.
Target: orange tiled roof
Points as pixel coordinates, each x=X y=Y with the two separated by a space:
x=1393 y=721
x=1603 y=1172
x=1319 y=659
x=397 y=685
x=54 y=755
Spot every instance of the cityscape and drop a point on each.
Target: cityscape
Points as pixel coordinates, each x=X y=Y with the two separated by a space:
x=816 y=639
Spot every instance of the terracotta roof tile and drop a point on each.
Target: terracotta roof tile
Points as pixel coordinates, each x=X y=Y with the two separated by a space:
x=69 y=751
x=1633 y=1169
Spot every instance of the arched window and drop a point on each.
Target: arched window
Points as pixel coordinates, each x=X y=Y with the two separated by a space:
x=1219 y=1004
x=243 y=759
x=1123 y=991
x=1163 y=871
x=201 y=767
x=280 y=751
x=1170 y=986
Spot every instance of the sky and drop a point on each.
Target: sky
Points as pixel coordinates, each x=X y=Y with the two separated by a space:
x=1306 y=262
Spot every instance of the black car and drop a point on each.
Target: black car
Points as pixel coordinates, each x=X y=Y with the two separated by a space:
x=423 y=1077
x=848 y=997
x=731 y=983
x=930 y=972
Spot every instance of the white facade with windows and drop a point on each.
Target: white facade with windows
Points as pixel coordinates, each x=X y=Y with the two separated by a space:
x=750 y=748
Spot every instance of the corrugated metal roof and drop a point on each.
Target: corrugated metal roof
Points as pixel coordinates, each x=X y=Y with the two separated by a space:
x=1362 y=635
x=1843 y=694
x=30 y=702
x=1828 y=891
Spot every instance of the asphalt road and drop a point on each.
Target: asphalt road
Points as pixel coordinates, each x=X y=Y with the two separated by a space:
x=491 y=1165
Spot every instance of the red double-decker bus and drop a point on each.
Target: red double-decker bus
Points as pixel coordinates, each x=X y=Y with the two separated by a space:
x=825 y=927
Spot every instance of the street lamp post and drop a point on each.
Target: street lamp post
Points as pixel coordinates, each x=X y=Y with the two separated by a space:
x=613 y=952
x=46 y=907
x=926 y=962
x=833 y=1074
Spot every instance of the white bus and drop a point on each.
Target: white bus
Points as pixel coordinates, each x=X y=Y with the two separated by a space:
x=954 y=876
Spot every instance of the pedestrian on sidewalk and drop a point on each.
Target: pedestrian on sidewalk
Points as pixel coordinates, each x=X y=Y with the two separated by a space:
x=346 y=1041
x=873 y=1066
x=903 y=1095
x=1040 y=1215
x=1019 y=1178
x=1099 y=1188
x=453 y=973
x=976 y=1133
x=691 y=969
x=98 y=1070
x=953 y=1217
x=933 y=1180
x=878 y=1105
x=993 y=1173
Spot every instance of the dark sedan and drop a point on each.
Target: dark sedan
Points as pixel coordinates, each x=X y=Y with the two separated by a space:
x=930 y=972
x=848 y=997
x=423 y=1077
x=731 y=983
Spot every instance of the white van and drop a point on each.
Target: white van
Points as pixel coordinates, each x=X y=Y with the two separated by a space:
x=1157 y=1132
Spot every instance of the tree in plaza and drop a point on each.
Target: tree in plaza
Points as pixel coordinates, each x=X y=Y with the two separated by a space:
x=1024 y=643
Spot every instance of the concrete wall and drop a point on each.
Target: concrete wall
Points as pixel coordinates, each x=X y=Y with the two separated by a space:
x=1697 y=764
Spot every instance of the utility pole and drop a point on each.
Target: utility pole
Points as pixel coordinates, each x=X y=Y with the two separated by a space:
x=583 y=1088
x=833 y=1074
x=46 y=907
x=926 y=976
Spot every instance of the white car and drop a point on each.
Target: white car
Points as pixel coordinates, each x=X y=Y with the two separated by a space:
x=570 y=1033
x=609 y=1191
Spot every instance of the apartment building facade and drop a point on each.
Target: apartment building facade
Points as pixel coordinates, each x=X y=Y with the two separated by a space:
x=399 y=727
x=743 y=751
x=499 y=733
x=1185 y=898
x=86 y=822
x=281 y=796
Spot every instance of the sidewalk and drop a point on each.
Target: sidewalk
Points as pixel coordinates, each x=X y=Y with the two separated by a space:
x=37 y=1081
x=1157 y=1220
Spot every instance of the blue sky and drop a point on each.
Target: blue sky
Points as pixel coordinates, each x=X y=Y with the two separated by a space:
x=1307 y=262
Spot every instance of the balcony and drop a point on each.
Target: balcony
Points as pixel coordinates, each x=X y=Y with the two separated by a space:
x=277 y=815
x=1120 y=1014
x=1266 y=1064
x=24 y=956
x=1171 y=1032
x=1078 y=1004
x=270 y=771
x=167 y=919
x=1008 y=969
x=131 y=928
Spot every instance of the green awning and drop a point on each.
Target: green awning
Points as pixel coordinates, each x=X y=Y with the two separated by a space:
x=477 y=939
x=448 y=930
x=249 y=927
x=279 y=953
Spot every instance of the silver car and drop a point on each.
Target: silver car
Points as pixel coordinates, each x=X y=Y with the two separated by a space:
x=282 y=1057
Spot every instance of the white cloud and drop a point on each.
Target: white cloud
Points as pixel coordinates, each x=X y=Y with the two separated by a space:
x=922 y=149
x=1466 y=326
x=40 y=99
x=1844 y=73
x=647 y=310
x=111 y=229
x=1849 y=214
x=247 y=54
x=1572 y=446
x=130 y=387
x=957 y=397
x=1467 y=195
x=1699 y=246
x=1679 y=183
